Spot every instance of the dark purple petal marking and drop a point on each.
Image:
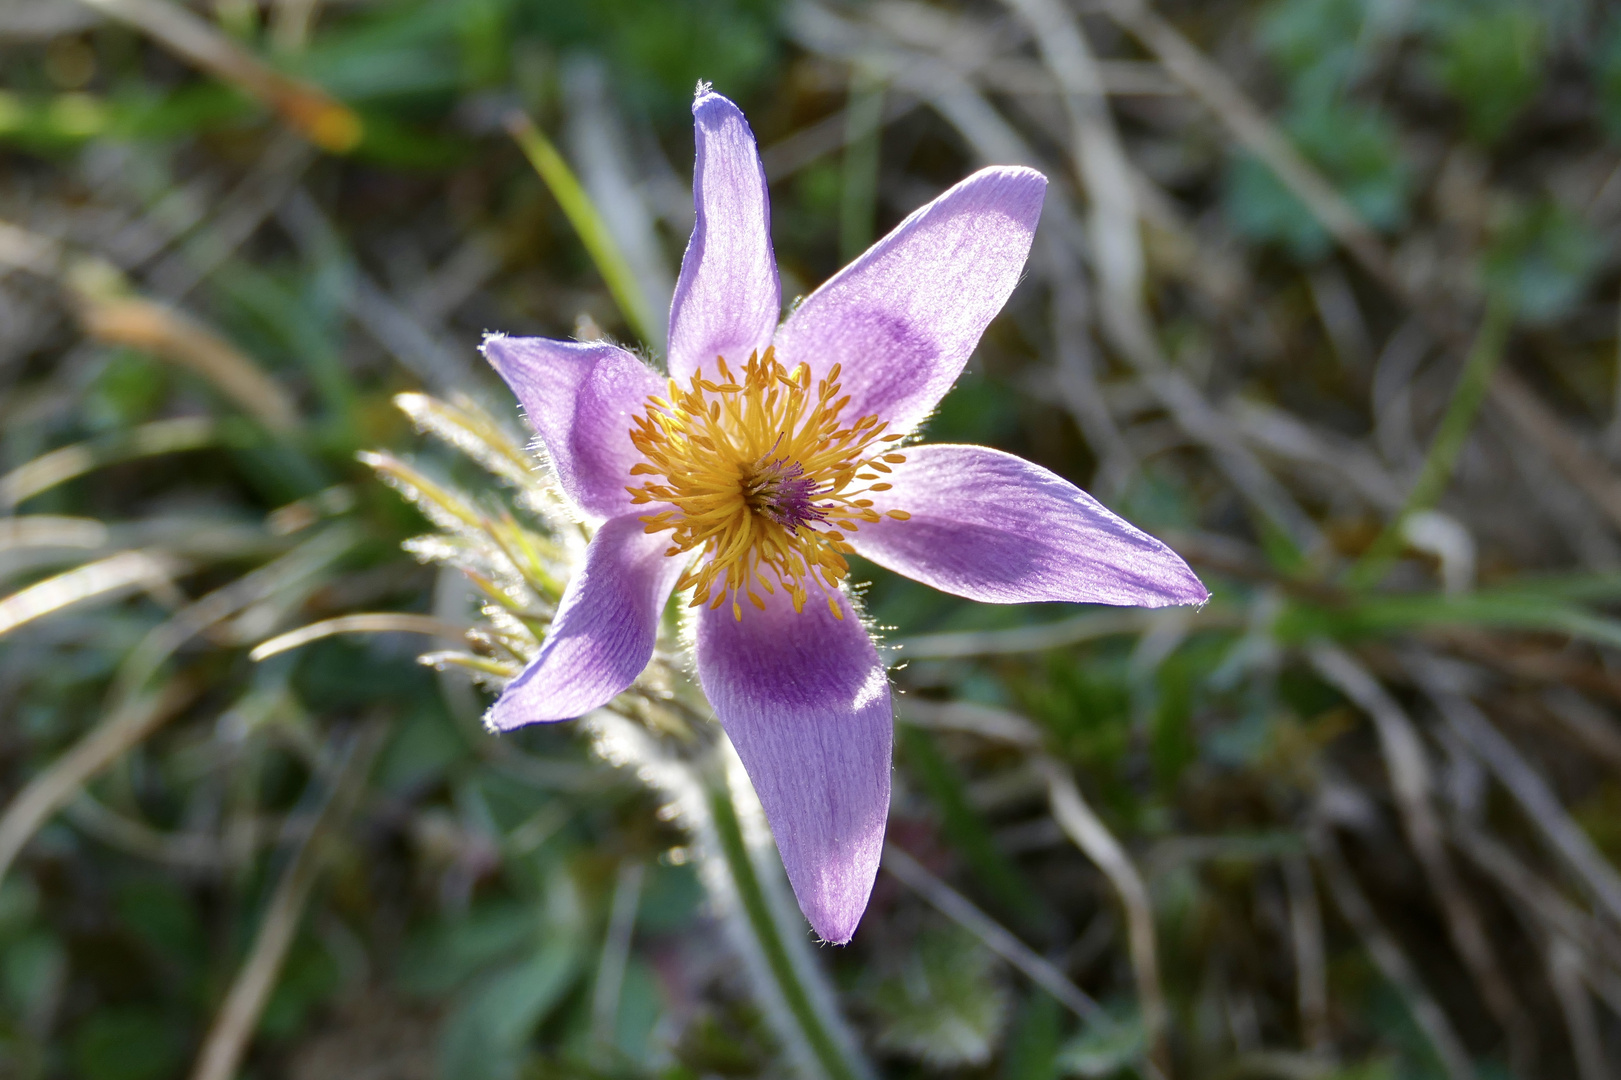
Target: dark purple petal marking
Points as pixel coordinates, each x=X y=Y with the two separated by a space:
x=602 y=635
x=727 y=300
x=580 y=398
x=904 y=317
x=805 y=700
x=995 y=528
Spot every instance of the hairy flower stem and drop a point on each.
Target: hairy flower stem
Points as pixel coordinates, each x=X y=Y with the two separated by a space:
x=734 y=857
x=767 y=927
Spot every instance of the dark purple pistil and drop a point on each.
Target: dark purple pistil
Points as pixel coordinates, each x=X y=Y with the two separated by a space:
x=780 y=491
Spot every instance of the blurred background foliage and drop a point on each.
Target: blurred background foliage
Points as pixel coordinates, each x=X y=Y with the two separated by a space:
x=1324 y=294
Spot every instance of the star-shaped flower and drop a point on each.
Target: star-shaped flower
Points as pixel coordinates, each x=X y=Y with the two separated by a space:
x=771 y=453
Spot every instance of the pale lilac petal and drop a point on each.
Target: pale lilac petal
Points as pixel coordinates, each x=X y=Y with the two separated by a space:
x=602 y=635
x=995 y=528
x=904 y=317
x=580 y=398
x=805 y=700
x=727 y=300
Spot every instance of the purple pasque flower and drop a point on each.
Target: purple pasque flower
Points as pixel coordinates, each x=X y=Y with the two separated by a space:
x=771 y=453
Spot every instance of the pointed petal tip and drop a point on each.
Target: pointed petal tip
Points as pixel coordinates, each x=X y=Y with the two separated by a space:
x=503 y=354
x=515 y=709
x=505 y=716
x=491 y=339
x=835 y=894
x=1017 y=173
x=707 y=103
x=835 y=925
x=1186 y=591
x=603 y=634
x=728 y=298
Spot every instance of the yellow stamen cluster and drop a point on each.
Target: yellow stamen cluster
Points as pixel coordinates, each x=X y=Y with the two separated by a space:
x=762 y=480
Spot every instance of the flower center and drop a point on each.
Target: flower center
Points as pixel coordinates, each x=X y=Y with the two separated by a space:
x=762 y=479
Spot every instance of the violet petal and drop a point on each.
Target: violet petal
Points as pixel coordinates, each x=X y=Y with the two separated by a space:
x=996 y=528
x=904 y=317
x=580 y=397
x=602 y=635
x=727 y=300
x=805 y=700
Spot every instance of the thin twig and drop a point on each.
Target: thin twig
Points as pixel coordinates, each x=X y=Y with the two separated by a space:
x=54 y=788
x=1565 y=974
x=981 y=720
x=610 y=981
x=166 y=333
x=58 y=466
x=1446 y=446
x=227 y=1040
x=386 y=622
x=1549 y=908
x=1563 y=836
x=1388 y=957
x=1515 y=400
x=188 y=851
x=1039 y=638
x=105 y=579
x=1411 y=782
x=1253 y=130
x=1311 y=964
x=1093 y=837
x=996 y=937
x=306 y=107
x=233 y=219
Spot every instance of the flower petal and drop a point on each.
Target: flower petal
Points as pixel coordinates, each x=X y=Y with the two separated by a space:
x=602 y=635
x=904 y=317
x=580 y=397
x=805 y=700
x=996 y=528
x=727 y=301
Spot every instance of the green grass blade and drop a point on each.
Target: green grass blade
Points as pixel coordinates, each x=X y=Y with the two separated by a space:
x=587 y=221
x=1436 y=472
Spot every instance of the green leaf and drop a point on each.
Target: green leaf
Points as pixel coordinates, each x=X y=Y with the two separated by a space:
x=422 y=749
x=1102 y=1051
x=483 y=1038
x=309 y=976
x=583 y=214
x=968 y=832
x=127 y=1043
x=1314 y=41
x=1489 y=56
x=1607 y=77
x=436 y=960
x=1355 y=145
x=947 y=1006
x=19 y=903
x=161 y=915
x=1508 y=609
x=32 y=968
x=1540 y=261
x=1032 y=1052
